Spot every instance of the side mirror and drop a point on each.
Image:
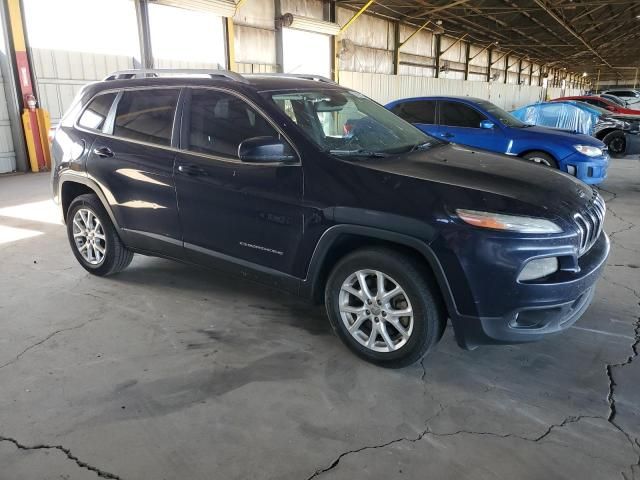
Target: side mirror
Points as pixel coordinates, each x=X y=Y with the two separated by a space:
x=265 y=150
x=487 y=124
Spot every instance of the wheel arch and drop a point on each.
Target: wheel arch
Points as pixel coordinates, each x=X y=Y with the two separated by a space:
x=72 y=186
x=541 y=150
x=603 y=133
x=341 y=240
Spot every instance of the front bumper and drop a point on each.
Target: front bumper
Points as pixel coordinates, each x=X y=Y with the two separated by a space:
x=591 y=170
x=542 y=308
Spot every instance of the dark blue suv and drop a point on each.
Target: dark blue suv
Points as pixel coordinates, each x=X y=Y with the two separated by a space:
x=319 y=191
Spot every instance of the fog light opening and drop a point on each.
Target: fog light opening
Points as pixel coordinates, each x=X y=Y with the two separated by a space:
x=571 y=170
x=538 y=268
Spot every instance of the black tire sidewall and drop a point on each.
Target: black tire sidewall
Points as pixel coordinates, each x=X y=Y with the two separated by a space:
x=92 y=203
x=427 y=316
x=610 y=137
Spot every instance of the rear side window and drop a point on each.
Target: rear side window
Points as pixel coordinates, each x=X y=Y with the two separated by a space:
x=96 y=113
x=146 y=115
x=454 y=114
x=219 y=122
x=419 y=111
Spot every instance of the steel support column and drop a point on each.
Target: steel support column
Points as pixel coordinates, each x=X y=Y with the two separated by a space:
x=467 y=59
x=437 y=42
x=12 y=94
x=144 y=33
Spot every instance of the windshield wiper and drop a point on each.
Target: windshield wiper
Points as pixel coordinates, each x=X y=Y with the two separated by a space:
x=358 y=153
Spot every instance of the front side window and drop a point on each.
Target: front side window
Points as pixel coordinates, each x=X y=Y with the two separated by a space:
x=417 y=111
x=219 y=122
x=346 y=123
x=455 y=114
x=505 y=117
x=146 y=115
x=96 y=113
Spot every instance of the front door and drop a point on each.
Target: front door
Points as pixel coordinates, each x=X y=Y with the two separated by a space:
x=133 y=163
x=460 y=123
x=233 y=210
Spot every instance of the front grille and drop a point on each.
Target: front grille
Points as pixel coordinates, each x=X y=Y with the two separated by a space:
x=590 y=222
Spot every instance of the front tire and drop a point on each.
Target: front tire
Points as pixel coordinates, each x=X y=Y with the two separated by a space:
x=616 y=143
x=384 y=307
x=93 y=238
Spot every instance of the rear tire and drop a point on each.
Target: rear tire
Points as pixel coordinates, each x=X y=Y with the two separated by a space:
x=541 y=158
x=616 y=143
x=93 y=238
x=387 y=329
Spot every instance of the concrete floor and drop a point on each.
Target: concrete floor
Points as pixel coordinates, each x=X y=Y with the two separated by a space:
x=170 y=372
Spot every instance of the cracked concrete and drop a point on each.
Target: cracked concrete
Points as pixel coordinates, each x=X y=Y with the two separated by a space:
x=171 y=372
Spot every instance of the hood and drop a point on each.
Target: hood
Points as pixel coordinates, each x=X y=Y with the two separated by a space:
x=570 y=136
x=545 y=190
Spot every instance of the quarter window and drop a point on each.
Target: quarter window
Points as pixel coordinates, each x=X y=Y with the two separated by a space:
x=419 y=111
x=96 y=113
x=454 y=114
x=146 y=115
x=220 y=122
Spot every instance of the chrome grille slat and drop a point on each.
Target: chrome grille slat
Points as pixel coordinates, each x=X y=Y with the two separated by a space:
x=590 y=222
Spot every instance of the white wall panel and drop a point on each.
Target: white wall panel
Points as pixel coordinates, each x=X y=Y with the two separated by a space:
x=60 y=74
x=385 y=88
x=304 y=8
x=366 y=30
x=421 y=43
x=256 y=14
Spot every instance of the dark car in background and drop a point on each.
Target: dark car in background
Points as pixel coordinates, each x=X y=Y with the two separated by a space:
x=392 y=229
x=481 y=124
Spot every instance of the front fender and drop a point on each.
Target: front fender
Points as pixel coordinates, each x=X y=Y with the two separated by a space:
x=313 y=284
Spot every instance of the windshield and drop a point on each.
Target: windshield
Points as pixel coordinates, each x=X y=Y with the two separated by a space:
x=594 y=107
x=505 y=117
x=614 y=99
x=347 y=123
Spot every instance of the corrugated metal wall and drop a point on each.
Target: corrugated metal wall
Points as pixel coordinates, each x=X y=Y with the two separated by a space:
x=7 y=153
x=60 y=74
x=385 y=88
x=366 y=62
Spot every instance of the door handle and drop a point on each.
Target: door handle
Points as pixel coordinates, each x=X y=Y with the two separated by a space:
x=192 y=170
x=447 y=135
x=103 y=152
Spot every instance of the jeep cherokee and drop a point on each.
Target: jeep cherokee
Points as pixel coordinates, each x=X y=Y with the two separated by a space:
x=317 y=190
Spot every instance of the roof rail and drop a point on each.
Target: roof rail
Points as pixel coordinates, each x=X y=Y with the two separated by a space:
x=157 y=72
x=306 y=76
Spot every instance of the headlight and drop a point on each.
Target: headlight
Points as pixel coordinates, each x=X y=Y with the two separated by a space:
x=511 y=223
x=538 y=268
x=588 y=150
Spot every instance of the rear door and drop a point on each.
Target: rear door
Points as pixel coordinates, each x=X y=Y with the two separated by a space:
x=230 y=209
x=132 y=161
x=460 y=123
x=421 y=113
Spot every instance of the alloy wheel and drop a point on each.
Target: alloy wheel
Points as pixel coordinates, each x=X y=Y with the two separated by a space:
x=376 y=310
x=89 y=237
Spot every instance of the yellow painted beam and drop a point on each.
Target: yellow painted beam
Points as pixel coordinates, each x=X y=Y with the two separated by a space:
x=414 y=34
x=355 y=16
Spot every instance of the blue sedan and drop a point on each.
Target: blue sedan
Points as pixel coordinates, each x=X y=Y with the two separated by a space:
x=481 y=124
